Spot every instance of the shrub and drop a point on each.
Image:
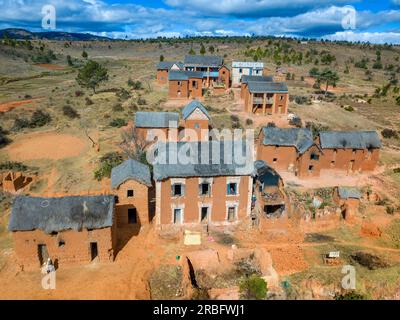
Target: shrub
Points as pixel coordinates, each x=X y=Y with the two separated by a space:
x=351 y=295
x=141 y=101
x=253 y=288
x=88 y=101
x=20 y=123
x=117 y=107
x=13 y=165
x=349 y=108
x=39 y=119
x=390 y=210
x=271 y=125
x=70 y=112
x=123 y=94
x=136 y=85
x=107 y=162
x=78 y=93
x=296 y=121
x=4 y=140
x=249 y=122
x=389 y=133
x=118 y=123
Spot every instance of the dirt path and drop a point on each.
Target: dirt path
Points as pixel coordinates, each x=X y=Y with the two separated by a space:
x=8 y=106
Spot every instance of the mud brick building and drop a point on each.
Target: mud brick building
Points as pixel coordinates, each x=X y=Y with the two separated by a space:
x=266 y=98
x=268 y=189
x=132 y=186
x=245 y=82
x=148 y=124
x=75 y=229
x=202 y=190
x=215 y=73
x=348 y=199
x=195 y=117
x=351 y=151
x=289 y=149
x=241 y=68
x=185 y=84
x=164 y=67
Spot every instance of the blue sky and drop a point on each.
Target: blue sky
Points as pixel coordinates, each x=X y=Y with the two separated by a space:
x=377 y=21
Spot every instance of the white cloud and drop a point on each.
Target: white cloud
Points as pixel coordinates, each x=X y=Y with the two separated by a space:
x=119 y=20
x=372 y=37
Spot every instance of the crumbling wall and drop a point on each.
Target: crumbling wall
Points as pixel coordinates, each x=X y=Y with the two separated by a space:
x=66 y=247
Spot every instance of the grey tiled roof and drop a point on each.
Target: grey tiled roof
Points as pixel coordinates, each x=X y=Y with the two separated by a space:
x=58 y=214
x=184 y=75
x=349 y=140
x=300 y=138
x=200 y=159
x=268 y=87
x=246 y=78
x=130 y=169
x=349 y=193
x=192 y=106
x=156 y=119
x=203 y=61
x=167 y=65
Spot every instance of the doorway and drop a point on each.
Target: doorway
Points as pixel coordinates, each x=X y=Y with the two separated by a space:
x=94 y=253
x=204 y=214
x=177 y=216
x=42 y=253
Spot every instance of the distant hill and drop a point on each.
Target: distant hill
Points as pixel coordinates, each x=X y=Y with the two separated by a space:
x=50 y=35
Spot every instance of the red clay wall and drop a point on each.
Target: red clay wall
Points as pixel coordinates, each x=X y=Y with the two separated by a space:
x=75 y=250
x=225 y=76
x=195 y=91
x=305 y=161
x=363 y=160
x=285 y=156
x=140 y=201
x=142 y=132
x=192 y=199
x=162 y=76
x=281 y=105
x=174 y=87
x=201 y=131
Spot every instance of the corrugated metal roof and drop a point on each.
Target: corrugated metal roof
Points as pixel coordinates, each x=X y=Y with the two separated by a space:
x=300 y=138
x=267 y=87
x=247 y=78
x=130 y=169
x=195 y=159
x=58 y=214
x=192 y=106
x=185 y=75
x=349 y=140
x=156 y=119
x=246 y=64
x=167 y=65
x=203 y=61
x=349 y=193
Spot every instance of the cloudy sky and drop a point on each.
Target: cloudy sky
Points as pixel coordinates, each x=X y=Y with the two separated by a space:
x=377 y=21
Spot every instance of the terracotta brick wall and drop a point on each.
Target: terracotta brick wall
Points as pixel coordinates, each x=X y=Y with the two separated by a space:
x=342 y=158
x=202 y=131
x=305 y=161
x=281 y=105
x=75 y=250
x=174 y=87
x=162 y=76
x=192 y=200
x=195 y=88
x=225 y=76
x=285 y=157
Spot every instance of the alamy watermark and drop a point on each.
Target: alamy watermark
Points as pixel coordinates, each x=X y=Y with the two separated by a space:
x=349 y=19
x=49 y=17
